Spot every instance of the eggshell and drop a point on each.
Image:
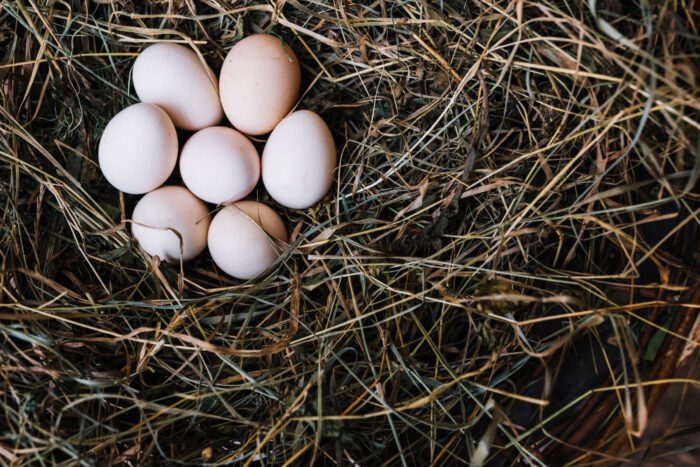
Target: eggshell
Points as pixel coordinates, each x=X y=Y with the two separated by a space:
x=219 y=165
x=175 y=78
x=298 y=160
x=240 y=239
x=265 y=217
x=259 y=83
x=171 y=207
x=138 y=149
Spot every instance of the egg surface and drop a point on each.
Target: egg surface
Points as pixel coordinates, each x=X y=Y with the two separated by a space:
x=298 y=160
x=138 y=149
x=240 y=239
x=265 y=217
x=259 y=83
x=170 y=208
x=175 y=78
x=219 y=165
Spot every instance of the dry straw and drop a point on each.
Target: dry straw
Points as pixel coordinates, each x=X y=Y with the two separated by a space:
x=505 y=270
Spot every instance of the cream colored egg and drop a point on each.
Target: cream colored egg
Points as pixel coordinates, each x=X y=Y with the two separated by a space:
x=298 y=160
x=259 y=83
x=265 y=217
x=219 y=165
x=175 y=78
x=161 y=213
x=138 y=149
x=241 y=239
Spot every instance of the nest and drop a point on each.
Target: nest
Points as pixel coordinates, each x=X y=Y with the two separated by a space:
x=505 y=270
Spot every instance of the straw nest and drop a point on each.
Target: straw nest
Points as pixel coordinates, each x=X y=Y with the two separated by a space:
x=503 y=271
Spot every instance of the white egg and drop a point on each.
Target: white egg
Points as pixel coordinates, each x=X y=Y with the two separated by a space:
x=163 y=212
x=298 y=160
x=219 y=165
x=175 y=78
x=138 y=149
x=241 y=239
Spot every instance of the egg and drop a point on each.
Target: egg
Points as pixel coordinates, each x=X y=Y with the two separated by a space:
x=241 y=239
x=175 y=78
x=138 y=149
x=161 y=213
x=259 y=83
x=298 y=160
x=219 y=165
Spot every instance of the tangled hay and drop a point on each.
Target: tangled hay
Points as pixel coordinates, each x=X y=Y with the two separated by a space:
x=505 y=270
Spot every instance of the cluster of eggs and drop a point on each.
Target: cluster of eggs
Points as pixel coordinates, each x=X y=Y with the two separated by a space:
x=257 y=88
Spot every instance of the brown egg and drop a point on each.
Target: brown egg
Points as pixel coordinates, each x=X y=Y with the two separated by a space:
x=259 y=83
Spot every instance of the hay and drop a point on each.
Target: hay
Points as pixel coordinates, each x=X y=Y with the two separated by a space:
x=509 y=251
